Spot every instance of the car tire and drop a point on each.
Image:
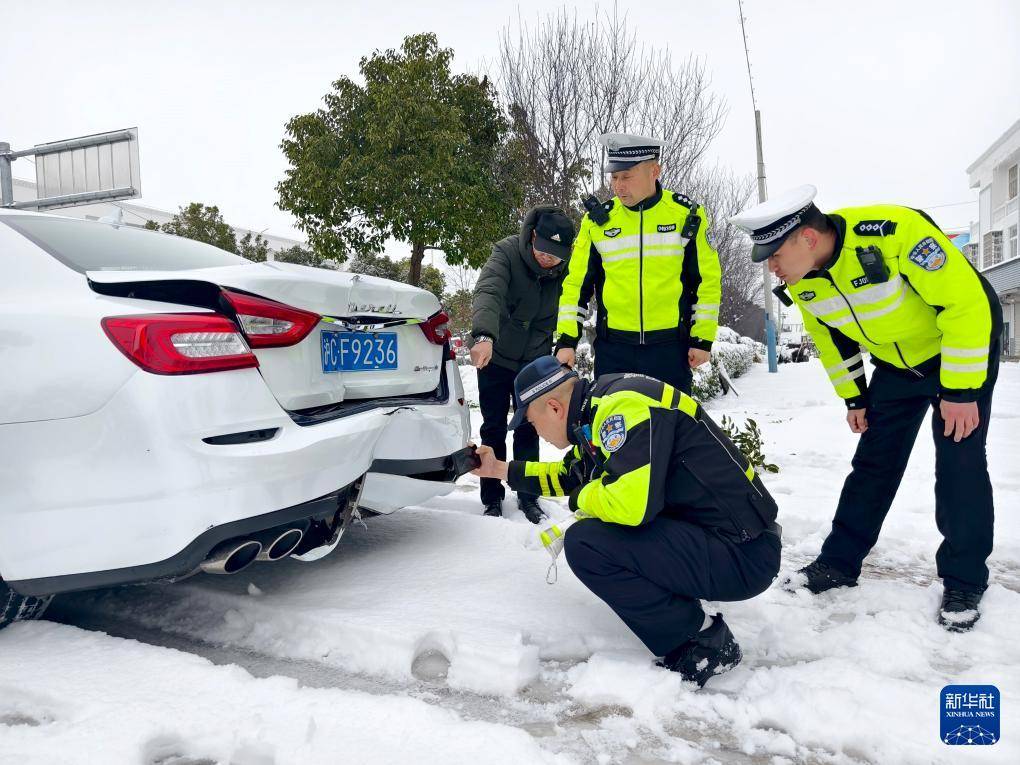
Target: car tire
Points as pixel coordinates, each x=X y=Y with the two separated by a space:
x=20 y=608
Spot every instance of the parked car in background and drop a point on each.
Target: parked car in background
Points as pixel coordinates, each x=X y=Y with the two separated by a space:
x=167 y=407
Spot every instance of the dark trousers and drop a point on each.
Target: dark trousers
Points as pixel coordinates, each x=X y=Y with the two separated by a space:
x=963 y=491
x=495 y=396
x=664 y=361
x=653 y=576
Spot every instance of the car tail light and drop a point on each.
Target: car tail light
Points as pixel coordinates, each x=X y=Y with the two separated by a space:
x=268 y=324
x=180 y=343
x=437 y=328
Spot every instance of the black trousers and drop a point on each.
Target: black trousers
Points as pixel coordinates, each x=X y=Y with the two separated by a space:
x=963 y=490
x=664 y=361
x=653 y=576
x=495 y=396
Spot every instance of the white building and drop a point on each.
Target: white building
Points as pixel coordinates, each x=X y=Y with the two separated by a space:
x=994 y=248
x=136 y=215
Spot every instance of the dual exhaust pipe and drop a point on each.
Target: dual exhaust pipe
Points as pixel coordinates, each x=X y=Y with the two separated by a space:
x=233 y=555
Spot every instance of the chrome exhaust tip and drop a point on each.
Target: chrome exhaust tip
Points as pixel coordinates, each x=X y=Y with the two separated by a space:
x=280 y=544
x=231 y=556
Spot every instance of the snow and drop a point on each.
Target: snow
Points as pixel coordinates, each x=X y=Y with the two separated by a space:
x=431 y=636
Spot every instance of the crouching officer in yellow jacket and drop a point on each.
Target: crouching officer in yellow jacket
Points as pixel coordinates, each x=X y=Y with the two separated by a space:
x=886 y=279
x=670 y=511
x=645 y=257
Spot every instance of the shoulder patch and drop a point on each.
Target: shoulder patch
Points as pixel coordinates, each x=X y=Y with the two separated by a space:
x=875 y=228
x=613 y=432
x=664 y=228
x=683 y=199
x=611 y=232
x=928 y=254
x=806 y=295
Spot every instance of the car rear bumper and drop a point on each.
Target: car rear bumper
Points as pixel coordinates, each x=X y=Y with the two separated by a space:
x=123 y=494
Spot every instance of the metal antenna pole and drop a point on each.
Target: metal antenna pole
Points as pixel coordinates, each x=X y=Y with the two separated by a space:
x=6 y=179
x=770 y=325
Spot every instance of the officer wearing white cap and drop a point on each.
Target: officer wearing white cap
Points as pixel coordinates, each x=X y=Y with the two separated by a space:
x=669 y=512
x=645 y=257
x=886 y=279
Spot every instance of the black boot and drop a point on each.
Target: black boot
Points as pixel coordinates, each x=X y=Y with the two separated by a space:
x=959 y=609
x=494 y=509
x=818 y=577
x=529 y=506
x=711 y=651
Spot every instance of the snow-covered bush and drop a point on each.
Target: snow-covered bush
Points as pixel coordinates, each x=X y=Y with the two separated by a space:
x=734 y=353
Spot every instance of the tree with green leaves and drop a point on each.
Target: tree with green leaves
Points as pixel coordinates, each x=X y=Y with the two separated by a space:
x=253 y=247
x=416 y=153
x=371 y=264
x=303 y=256
x=204 y=223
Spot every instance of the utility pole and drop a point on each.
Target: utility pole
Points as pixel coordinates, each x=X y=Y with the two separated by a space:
x=770 y=325
x=6 y=179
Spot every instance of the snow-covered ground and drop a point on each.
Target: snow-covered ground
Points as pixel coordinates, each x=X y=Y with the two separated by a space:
x=432 y=636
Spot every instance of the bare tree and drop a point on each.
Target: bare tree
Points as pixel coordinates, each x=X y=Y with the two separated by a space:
x=724 y=194
x=566 y=81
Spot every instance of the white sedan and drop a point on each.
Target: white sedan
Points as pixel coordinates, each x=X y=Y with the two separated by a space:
x=167 y=407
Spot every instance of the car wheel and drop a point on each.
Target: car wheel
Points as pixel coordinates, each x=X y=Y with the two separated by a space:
x=20 y=608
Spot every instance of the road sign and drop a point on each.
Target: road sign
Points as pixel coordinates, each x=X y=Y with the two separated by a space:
x=78 y=171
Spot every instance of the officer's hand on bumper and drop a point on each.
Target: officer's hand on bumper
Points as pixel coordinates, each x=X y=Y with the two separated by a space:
x=481 y=353
x=961 y=419
x=566 y=356
x=696 y=357
x=491 y=467
x=856 y=420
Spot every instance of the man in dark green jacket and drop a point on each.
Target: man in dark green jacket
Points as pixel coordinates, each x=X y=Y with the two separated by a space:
x=513 y=317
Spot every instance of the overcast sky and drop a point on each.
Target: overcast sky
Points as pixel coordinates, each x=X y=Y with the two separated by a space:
x=870 y=101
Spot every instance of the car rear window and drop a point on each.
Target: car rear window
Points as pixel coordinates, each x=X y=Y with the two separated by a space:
x=92 y=246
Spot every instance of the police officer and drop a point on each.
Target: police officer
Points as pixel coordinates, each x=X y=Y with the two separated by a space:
x=670 y=512
x=886 y=279
x=656 y=280
x=513 y=316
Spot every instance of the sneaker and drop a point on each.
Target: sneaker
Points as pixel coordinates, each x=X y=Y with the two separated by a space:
x=710 y=652
x=959 y=609
x=494 y=509
x=817 y=577
x=529 y=506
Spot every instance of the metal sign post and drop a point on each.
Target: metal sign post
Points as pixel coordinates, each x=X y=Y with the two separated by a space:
x=77 y=171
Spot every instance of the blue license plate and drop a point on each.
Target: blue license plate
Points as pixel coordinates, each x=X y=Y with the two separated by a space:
x=358 y=351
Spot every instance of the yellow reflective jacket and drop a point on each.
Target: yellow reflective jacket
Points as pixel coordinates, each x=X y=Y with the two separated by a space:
x=933 y=314
x=653 y=273
x=643 y=448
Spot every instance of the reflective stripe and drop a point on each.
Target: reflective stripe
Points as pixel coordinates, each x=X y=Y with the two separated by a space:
x=949 y=366
x=555 y=477
x=883 y=311
x=705 y=307
x=845 y=365
x=706 y=316
x=648 y=254
x=966 y=353
x=878 y=292
x=870 y=296
x=848 y=377
x=616 y=244
x=574 y=308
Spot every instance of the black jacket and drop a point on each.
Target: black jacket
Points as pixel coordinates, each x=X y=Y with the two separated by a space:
x=515 y=299
x=644 y=449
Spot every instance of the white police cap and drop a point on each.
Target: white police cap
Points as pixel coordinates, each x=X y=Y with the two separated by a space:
x=771 y=221
x=624 y=150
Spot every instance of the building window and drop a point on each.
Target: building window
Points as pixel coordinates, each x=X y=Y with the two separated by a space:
x=1012 y=243
x=973 y=253
x=993 y=248
x=1013 y=183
